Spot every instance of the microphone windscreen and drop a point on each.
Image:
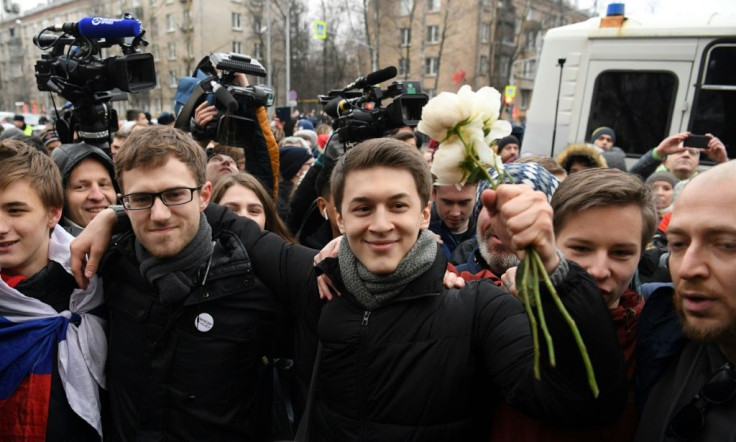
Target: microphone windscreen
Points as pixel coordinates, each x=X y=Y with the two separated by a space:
x=381 y=75
x=100 y=27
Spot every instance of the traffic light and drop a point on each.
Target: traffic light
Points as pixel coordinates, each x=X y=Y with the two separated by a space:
x=508 y=100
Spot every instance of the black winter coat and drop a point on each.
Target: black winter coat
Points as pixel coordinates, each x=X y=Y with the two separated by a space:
x=429 y=365
x=187 y=372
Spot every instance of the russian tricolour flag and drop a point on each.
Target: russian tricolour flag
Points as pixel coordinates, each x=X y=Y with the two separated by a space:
x=29 y=332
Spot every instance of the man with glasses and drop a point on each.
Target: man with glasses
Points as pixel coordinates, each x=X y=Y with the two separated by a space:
x=189 y=322
x=690 y=379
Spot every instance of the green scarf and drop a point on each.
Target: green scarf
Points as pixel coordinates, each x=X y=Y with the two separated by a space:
x=373 y=290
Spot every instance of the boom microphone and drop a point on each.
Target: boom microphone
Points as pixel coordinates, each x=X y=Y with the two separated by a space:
x=379 y=76
x=100 y=27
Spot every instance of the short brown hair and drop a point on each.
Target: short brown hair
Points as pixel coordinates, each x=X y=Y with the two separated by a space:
x=601 y=188
x=152 y=147
x=274 y=223
x=20 y=161
x=382 y=152
x=236 y=153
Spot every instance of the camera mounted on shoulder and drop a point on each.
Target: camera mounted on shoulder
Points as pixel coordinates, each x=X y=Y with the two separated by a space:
x=361 y=115
x=215 y=78
x=74 y=69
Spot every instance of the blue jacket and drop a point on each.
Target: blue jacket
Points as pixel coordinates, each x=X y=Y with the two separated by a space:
x=449 y=241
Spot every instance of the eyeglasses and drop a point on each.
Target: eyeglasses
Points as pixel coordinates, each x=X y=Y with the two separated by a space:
x=690 y=420
x=170 y=197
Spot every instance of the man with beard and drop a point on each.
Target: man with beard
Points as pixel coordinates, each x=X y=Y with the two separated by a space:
x=491 y=257
x=692 y=378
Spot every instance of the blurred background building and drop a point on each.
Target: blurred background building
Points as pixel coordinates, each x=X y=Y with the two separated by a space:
x=441 y=43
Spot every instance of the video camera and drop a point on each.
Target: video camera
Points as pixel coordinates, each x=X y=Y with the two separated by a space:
x=73 y=69
x=236 y=104
x=360 y=115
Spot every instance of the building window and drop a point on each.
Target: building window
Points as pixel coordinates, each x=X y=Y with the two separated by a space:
x=485 y=32
x=172 y=50
x=173 y=78
x=153 y=26
x=153 y=2
x=433 y=5
x=529 y=68
x=235 y=20
x=258 y=50
x=406 y=7
x=430 y=65
x=154 y=50
x=237 y=47
x=403 y=67
x=526 y=98
x=483 y=65
x=170 y=23
x=433 y=34
x=187 y=19
x=405 y=36
x=503 y=65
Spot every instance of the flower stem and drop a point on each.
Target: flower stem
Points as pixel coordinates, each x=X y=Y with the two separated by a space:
x=571 y=323
x=523 y=285
x=531 y=268
x=538 y=268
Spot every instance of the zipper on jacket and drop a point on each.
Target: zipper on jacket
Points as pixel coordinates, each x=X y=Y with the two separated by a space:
x=362 y=387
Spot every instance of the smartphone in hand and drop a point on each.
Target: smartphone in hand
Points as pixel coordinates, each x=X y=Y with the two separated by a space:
x=697 y=141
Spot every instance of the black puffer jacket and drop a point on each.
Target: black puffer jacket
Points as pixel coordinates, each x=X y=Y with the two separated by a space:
x=429 y=365
x=187 y=372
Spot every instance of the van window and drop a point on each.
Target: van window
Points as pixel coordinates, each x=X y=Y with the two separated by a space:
x=636 y=104
x=715 y=97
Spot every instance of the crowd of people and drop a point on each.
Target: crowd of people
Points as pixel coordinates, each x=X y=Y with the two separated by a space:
x=170 y=287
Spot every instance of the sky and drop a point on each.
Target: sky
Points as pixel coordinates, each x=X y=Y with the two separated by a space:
x=675 y=9
x=660 y=8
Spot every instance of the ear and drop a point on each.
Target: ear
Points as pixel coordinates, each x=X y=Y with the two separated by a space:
x=205 y=193
x=425 y=216
x=54 y=217
x=340 y=222
x=322 y=206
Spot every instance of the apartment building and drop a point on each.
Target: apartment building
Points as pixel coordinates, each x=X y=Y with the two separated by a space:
x=448 y=43
x=179 y=32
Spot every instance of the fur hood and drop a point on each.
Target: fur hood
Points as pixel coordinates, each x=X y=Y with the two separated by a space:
x=581 y=152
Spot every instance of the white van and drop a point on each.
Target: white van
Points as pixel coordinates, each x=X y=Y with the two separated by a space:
x=646 y=80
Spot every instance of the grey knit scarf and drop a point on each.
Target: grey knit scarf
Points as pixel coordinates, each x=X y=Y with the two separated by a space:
x=373 y=290
x=176 y=276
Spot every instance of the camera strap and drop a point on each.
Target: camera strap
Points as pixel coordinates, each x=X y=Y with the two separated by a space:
x=196 y=96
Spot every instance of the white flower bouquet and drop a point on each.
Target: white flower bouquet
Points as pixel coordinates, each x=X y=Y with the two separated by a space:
x=465 y=124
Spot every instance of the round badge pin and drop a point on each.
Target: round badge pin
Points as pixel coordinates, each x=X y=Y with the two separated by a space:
x=204 y=322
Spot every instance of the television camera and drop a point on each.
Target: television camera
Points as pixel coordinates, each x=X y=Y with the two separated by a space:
x=74 y=69
x=361 y=115
x=235 y=122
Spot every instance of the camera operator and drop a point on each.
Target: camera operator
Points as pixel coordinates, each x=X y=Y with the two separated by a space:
x=268 y=174
x=358 y=116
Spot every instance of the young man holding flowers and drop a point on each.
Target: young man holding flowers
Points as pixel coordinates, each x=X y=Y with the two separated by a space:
x=402 y=357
